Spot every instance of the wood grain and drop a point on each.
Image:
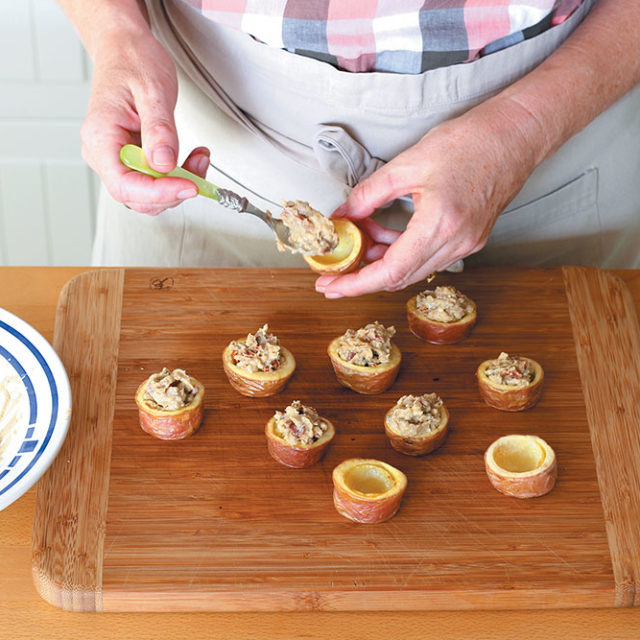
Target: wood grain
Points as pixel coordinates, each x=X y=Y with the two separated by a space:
x=71 y=501
x=213 y=523
x=32 y=293
x=607 y=339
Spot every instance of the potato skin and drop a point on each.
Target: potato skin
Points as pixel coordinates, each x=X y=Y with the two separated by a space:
x=418 y=446
x=370 y=510
x=531 y=485
x=438 y=332
x=365 y=512
x=351 y=262
x=510 y=399
x=171 y=425
x=296 y=457
x=365 y=380
x=254 y=386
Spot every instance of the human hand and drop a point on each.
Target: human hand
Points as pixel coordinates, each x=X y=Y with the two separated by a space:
x=133 y=97
x=461 y=175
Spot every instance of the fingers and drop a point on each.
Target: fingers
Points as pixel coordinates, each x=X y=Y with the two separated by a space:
x=145 y=194
x=383 y=275
x=409 y=259
x=133 y=97
x=153 y=195
x=377 y=232
x=366 y=280
x=157 y=127
x=375 y=252
x=376 y=276
x=104 y=132
x=198 y=161
x=378 y=239
x=382 y=186
x=149 y=209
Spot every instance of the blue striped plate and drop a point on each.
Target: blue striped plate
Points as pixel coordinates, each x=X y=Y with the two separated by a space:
x=35 y=406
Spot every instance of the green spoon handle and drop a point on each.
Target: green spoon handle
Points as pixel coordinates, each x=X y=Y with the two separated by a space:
x=134 y=158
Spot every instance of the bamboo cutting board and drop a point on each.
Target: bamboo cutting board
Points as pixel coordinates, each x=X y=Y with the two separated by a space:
x=125 y=522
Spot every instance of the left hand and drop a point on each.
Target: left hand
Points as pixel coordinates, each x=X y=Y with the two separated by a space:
x=461 y=175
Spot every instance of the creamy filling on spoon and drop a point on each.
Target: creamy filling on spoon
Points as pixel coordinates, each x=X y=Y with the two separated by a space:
x=310 y=232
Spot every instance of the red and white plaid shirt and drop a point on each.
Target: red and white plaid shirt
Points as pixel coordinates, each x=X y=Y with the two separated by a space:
x=401 y=36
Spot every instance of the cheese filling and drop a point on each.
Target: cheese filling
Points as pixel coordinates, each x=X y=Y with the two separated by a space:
x=260 y=351
x=510 y=370
x=369 y=346
x=170 y=390
x=444 y=304
x=310 y=232
x=14 y=409
x=415 y=416
x=299 y=425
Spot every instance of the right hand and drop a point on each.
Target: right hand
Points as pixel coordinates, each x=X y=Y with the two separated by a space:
x=133 y=96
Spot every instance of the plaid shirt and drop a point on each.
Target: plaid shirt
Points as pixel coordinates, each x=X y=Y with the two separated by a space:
x=401 y=36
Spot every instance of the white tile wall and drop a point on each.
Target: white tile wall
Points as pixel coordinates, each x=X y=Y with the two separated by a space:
x=47 y=194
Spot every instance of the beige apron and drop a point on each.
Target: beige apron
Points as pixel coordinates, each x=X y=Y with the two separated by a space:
x=283 y=126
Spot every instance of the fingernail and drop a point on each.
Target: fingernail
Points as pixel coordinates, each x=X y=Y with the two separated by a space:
x=323 y=282
x=163 y=156
x=340 y=212
x=187 y=193
x=203 y=165
x=332 y=295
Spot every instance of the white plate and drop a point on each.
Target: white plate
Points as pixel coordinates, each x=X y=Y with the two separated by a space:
x=39 y=380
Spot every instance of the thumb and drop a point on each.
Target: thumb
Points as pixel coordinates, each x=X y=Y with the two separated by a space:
x=158 y=130
x=382 y=186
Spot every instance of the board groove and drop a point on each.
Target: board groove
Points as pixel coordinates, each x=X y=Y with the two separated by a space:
x=71 y=512
x=606 y=331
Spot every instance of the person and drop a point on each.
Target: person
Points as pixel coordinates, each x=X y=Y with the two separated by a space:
x=520 y=154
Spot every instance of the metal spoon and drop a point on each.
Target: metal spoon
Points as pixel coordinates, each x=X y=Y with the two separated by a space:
x=133 y=157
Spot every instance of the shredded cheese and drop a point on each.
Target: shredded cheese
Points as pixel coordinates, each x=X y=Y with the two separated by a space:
x=14 y=409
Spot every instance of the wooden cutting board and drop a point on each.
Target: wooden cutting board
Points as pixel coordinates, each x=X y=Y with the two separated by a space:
x=127 y=522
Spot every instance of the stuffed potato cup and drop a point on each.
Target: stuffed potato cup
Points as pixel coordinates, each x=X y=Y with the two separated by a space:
x=259 y=384
x=510 y=383
x=258 y=366
x=366 y=360
x=170 y=404
x=298 y=437
x=417 y=425
x=441 y=316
